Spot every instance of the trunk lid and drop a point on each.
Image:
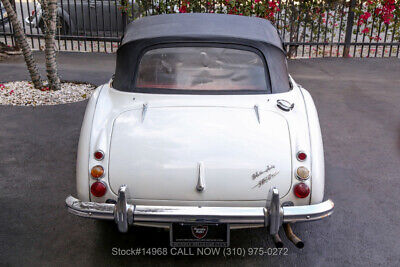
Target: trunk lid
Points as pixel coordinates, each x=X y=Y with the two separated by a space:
x=157 y=151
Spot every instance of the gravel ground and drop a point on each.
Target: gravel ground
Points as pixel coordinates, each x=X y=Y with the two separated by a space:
x=22 y=93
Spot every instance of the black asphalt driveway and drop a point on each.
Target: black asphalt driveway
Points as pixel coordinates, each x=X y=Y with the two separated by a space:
x=359 y=107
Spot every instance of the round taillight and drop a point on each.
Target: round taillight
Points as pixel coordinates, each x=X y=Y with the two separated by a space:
x=302 y=173
x=301 y=190
x=301 y=156
x=99 y=155
x=98 y=189
x=97 y=172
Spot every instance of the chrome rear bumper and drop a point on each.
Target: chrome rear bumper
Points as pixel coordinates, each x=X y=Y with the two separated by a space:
x=273 y=215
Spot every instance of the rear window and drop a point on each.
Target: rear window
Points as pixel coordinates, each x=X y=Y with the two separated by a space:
x=202 y=69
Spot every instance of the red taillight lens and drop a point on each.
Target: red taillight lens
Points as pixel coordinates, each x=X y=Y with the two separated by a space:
x=98 y=189
x=97 y=171
x=301 y=156
x=99 y=155
x=301 y=190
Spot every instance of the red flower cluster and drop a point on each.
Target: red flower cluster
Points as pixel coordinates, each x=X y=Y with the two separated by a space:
x=363 y=18
x=384 y=9
x=184 y=6
x=386 y=12
x=376 y=38
x=381 y=9
x=273 y=7
x=260 y=8
x=366 y=30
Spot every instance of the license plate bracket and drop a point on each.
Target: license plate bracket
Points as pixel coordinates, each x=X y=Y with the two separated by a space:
x=199 y=235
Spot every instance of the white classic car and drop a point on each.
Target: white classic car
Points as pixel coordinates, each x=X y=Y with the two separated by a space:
x=200 y=131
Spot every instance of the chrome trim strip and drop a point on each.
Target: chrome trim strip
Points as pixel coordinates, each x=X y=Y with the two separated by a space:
x=200 y=180
x=257 y=113
x=144 y=110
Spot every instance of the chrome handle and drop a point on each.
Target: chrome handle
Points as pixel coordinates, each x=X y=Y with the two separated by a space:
x=284 y=105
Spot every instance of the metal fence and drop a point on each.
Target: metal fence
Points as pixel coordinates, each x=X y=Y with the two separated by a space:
x=312 y=28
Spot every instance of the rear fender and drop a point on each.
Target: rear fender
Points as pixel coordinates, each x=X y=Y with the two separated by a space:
x=82 y=173
x=317 y=150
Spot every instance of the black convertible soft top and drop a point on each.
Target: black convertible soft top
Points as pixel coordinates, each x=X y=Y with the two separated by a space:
x=204 y=29
x=202 y=25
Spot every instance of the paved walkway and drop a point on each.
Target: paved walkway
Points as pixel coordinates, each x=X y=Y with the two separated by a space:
x=95 y=68
x=358 y=102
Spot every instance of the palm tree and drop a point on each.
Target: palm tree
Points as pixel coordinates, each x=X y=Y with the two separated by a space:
x=20 y=38
x=49 y=8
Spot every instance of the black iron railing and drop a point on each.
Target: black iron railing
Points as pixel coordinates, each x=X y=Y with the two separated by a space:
x=309 y=28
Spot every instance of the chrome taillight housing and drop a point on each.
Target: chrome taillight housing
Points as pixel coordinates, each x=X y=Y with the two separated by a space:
x=97 y=172
x=98 y=189
x=302 y=173
x=301 y=156
x=98 y=155
x=301 y=190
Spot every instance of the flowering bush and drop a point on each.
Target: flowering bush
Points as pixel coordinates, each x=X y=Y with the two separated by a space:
x=381 y=14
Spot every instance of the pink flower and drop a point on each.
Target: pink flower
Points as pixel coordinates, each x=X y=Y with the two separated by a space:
x=272 y=4
x=376 y=38
x=386 y=20
x=366 y=30
x=257 y=1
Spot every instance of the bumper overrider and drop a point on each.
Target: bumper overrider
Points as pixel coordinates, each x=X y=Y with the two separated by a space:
x=272 y=215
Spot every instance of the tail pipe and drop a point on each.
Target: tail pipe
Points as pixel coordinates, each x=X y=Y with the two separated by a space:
x=292 y=237
x=277 y=241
